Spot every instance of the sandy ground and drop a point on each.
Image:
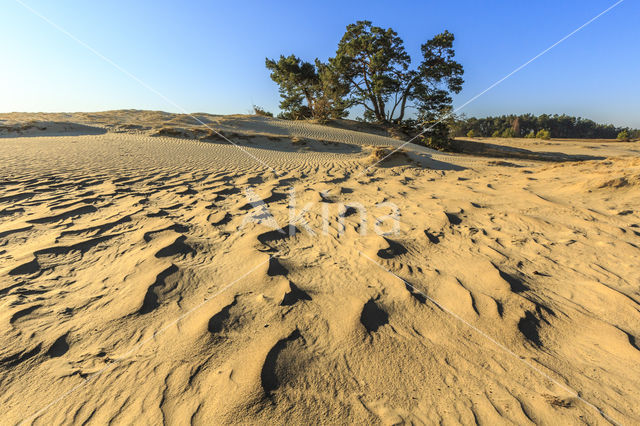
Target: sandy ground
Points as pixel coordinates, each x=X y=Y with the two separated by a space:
x=142 y=281
x=590 y=147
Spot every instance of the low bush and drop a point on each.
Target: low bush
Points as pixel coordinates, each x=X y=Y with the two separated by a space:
x=624 y=136
x=438 y=137
x=543 y=134
x=508 y=133
x=260 y=111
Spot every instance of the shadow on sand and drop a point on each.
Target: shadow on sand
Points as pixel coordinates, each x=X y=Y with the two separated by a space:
x=47 y=128
x=485 y=149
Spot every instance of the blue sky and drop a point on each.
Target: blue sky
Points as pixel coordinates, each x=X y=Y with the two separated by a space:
x=208 y=56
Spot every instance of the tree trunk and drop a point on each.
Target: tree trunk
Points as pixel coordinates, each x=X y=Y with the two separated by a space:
x=403 y=105
x=370 y=94
x=372 y=98
x=310 y=104
x=381 y=117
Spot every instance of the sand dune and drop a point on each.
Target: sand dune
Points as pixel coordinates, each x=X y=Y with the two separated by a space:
x=146 y=278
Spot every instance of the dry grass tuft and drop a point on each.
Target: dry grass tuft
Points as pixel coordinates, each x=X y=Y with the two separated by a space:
x=199 y=133
x=386 y=155
x=296 y=140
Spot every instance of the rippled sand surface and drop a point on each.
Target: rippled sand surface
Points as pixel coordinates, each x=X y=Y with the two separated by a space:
x=150 y=275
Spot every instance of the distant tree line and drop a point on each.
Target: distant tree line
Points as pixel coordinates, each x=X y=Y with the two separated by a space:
x=371 y=69
x=529 y=125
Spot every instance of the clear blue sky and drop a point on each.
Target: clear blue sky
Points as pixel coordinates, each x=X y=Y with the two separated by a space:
x=208 y=56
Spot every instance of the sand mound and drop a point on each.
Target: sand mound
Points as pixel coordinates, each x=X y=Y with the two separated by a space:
x=611 y=174
x=46 y=128
x=629 y=180
x=386 y=156
x=620 y=173
x=201 y=133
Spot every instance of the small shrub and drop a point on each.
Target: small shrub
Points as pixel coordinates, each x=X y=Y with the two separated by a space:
x=624 y=136
x=508 y=133
x=543 y=134
x=322 y=110
x=438 y=137
x=260 y=111
x=471 y=134
x=172 y=132
x=530 y=135
x=296 y=140
x=437 y=143
x=496 y=134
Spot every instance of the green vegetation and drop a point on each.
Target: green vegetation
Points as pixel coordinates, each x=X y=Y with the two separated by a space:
x=543 y=134
x=260 y=111
x=624 y=136
x=439 y=134
x=372 y=70
x=526 y=125
x=508 y=133
x=307 y=90
x=377 y=68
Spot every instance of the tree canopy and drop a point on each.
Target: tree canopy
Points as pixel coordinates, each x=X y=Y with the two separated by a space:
x=525 y=125
x=313 y=83
x=372 y=69
x=375 y=64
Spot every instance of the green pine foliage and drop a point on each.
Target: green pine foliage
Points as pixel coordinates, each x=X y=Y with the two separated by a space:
x=308 y=90
x=508 y=133
x=257 y=110
x=372 y=70
x=623 y=136
x=560 y=126
x=543 y=134
x=374 y=63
